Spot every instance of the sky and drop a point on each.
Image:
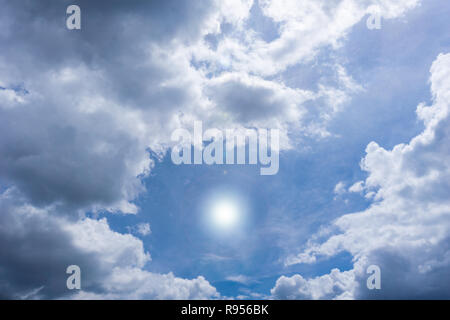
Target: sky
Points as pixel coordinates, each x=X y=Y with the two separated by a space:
x=87 y=178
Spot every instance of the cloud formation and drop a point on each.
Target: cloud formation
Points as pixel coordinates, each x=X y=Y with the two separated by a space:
x=406 y=230
x=37 y=247
x=80 y=111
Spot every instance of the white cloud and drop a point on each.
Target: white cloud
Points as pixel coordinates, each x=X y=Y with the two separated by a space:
x=10 y=98
x=406 y=231
x=357 y=187
x=240 y=279
x=113 y=248
x=41 y=245
x=135 y=283
x=144 y=229
x=122 y=258
x=339 y=189
x=304 y=26
x=337 y=285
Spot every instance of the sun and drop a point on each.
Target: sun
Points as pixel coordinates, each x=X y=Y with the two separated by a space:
x=225 y=214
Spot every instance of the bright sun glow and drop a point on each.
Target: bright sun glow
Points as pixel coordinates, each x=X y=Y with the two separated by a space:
x=225 y=214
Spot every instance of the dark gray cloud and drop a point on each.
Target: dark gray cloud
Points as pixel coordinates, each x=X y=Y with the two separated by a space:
x=37 y=247
x=78 y=110
x=403 y=276
x=249 y=100
x=53 y=158
x=48 y=146
x=35 y=253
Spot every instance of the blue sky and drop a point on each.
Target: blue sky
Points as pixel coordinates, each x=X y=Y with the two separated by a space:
x=302 y=192
x=98 y=165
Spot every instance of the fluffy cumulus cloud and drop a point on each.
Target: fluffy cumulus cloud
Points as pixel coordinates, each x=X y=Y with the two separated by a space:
x=406 y=231
x=304 y=27
x=134 y=283
x=79 y=111
x=334 y=285
x=38 y=245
